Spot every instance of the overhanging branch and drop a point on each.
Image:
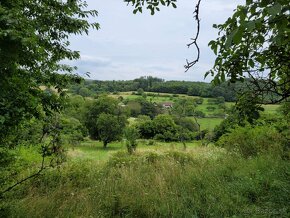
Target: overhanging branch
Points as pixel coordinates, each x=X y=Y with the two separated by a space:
x=189 y=64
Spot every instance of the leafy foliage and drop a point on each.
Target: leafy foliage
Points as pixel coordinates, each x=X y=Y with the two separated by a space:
x=153 y=84
x=152 y=5
x=33 y=41
x=131 y=134
x=109 y=128
x=105 y=120
x=165 y=128
x=184 y=107
x=251 y=141
x=254 y=43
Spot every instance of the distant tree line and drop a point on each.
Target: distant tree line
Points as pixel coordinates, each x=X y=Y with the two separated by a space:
x=153 y=84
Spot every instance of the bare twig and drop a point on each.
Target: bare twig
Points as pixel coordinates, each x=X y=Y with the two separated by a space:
x=25 y=179
x=189 y=64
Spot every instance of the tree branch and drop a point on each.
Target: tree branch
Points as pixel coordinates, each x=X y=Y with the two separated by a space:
x=194 y=40
x=25 y=179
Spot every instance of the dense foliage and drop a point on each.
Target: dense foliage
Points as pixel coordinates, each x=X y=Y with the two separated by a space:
x=105 y=120
x=34 y=39
x=153 y=84
x=254 y=43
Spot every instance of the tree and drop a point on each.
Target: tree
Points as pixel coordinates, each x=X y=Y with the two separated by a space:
x=148 y=108
x=184 y=107
x=131 y=134
x=33 y=41
x=103 y=104
x=134 y=107
x=248 y=108
x=254 y=43
x=85 y=92
x=145 y=127
x=72 y=130
x=165 y=128
x=105 y=120
x=109 y=128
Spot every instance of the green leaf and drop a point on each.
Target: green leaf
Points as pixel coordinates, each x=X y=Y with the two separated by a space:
x=206 y=74
x=223 y=77
x=248 y=2
x=251 y=63
x=238 y=35
x=135 y=11
x=275 y=9
x=250 y=25
x=2 y=119
x=230 y=39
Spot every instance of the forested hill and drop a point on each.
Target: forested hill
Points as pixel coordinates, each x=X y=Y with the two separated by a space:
x=153 y=84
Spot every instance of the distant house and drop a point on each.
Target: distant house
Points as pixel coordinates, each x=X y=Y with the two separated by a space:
x=167 y=105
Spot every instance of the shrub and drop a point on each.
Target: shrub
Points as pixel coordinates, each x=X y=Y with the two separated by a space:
x=131 y=135
x=150 y=142
x=199 y=114
x=251 y=141
x=198 y=100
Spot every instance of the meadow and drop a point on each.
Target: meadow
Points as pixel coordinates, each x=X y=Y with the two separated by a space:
x=160 y=180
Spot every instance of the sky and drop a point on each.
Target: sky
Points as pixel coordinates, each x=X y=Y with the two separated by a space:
x=129 y=45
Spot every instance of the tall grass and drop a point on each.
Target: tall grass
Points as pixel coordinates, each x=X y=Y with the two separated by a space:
x=205 y=182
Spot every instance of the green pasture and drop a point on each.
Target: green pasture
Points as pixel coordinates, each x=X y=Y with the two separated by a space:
x=209 y=123
x=271 y=108
x=158 y=98
x=93 y=150
x=167 y=97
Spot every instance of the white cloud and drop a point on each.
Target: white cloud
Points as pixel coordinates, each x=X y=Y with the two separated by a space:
x=128 y=46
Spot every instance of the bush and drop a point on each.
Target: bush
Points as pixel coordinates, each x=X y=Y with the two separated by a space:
x=166 y=136
x=131 y=135
x=150 y=142
x=145 y=128
x=251 y=141
x=199 y=114
x=198 y=100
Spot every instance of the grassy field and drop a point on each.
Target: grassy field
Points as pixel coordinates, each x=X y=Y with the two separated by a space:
x=271 y=108
x=209 y=123
x=166 y=97
x=166 y=182
x=158 y=98
x=93 y=150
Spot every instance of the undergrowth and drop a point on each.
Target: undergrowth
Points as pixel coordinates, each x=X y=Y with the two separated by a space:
x=199 y=183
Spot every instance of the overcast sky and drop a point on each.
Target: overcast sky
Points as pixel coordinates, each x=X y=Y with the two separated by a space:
x=129 y=46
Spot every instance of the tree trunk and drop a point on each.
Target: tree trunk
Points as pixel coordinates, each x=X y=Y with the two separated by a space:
x=105 y=144
x=184 y=145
